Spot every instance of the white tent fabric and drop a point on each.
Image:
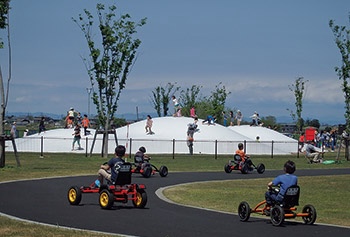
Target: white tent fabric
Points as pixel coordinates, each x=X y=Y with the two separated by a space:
x=169 y=136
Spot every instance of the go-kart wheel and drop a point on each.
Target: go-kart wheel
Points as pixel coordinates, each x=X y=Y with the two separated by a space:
x=147 y=171
x=140 y=199
x=106 y=199
x=311 y=210
x=163 y=171
x=245 y=168
x=277 y=215
x=260 y=168
x=74 y=195
x=227 y=168
x=243 y=211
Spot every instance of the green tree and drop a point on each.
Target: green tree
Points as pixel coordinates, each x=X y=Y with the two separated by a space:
x=110 y=59
x=214 y=104
x=4 y=10
x=218 y=99
x=269 y=121
x=161 y=97
x=313 y=123
x=189 y=97
x=156 y=100
x=298 y=90
x=342 y=40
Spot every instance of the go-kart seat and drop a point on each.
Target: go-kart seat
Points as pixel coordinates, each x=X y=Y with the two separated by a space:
x=291 y=197
x=237 y=159
x=124 y=174
x=138 y=159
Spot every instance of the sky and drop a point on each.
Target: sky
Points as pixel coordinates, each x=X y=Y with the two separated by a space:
x=255 y=48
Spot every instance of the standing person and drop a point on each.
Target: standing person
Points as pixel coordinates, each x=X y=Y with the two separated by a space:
x=77 y=137
x=193 y=112
x=13 y=131
x=79 y=118
x=191 y=129
x=224 y=115
x=149 y=124
x=112 y=165
x=70 y=117
x=239 y=117
x=231 y=118
x=42 y=125
x=333 y=138
x=254 y=117
x=301 y=141
x=176 y=103
x=284 y=181
x=86 y=124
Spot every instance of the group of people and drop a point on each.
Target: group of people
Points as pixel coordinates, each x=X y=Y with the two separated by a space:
x=75 y=121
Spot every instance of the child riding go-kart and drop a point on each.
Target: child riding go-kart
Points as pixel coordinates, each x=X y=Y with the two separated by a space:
x=122 y=190
x=280 y=211
x=144 y=167
x=280 y=200
x=243 y=163
x=119 y=188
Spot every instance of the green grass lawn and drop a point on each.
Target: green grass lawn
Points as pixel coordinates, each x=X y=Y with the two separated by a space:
x=331 y=210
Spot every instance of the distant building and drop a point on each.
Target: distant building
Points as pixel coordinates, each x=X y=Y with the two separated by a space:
x=288 y=128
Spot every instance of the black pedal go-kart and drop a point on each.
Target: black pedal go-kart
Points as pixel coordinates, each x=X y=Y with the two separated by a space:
x=122 y=190
x=280 y=211
x=146 y=169
x=244 y=166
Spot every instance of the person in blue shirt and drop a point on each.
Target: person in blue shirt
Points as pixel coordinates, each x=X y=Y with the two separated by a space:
x=284 y=181
x=210 y=120
x=109 y=171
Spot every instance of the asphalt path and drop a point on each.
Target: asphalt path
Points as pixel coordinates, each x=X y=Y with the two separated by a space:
x=45 y=201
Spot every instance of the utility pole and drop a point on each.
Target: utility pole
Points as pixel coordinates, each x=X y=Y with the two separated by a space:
x=88 y=90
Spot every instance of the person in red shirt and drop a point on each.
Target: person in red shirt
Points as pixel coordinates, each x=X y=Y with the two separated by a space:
x=86 y=124
x=301 y=141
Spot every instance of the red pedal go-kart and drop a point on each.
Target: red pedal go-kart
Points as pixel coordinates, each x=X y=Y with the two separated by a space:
x=280 y=211
x=122 y=190
x=243 y=166
x=146 y=169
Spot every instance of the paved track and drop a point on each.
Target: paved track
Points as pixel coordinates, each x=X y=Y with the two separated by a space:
x=46 y=201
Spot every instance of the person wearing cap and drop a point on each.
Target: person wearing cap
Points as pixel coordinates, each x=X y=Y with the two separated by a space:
x=71 y=116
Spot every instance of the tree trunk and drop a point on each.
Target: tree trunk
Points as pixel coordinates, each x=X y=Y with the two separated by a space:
x=105 y=139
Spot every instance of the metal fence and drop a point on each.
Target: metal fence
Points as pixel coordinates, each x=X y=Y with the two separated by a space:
x=154 y=146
